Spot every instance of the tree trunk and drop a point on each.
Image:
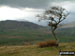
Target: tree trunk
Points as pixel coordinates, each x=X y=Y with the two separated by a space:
x=54 y=35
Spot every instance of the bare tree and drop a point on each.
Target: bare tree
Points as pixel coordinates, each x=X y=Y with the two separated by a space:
x=55 y=15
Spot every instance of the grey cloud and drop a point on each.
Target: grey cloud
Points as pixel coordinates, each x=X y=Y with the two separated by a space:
x=28 y=3
x=25 y=3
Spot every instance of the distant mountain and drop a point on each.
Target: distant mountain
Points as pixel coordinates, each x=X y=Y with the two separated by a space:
x=11 y=24
x=68 y=25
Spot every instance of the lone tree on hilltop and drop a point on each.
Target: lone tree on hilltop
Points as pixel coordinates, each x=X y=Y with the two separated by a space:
x=55 y=15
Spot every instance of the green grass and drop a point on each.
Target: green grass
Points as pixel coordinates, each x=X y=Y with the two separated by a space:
x=19 y=37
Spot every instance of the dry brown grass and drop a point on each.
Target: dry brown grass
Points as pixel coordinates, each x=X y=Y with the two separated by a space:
x=32 y=50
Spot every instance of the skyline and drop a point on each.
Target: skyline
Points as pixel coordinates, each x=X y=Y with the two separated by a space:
x=28 y=9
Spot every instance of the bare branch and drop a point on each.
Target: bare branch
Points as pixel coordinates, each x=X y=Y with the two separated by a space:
x=55 y=15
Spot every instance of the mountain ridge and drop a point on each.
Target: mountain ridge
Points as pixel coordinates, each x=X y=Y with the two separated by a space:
x=12 y=24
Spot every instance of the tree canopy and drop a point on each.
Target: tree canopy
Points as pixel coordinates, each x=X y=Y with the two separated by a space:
x=55 y=15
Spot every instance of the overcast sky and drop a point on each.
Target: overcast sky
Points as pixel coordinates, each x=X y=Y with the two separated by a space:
x=28 y=9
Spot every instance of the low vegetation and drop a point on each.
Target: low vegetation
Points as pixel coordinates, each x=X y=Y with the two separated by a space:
x=48 y=43
x=34 y=50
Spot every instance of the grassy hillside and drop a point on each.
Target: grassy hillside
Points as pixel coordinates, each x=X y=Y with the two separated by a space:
x=33 y=50
x=21 y=38
x=14 y=37
x=18 y=33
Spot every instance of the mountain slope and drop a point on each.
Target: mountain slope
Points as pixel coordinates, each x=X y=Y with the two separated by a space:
x=8 y=24
x=69 y=25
